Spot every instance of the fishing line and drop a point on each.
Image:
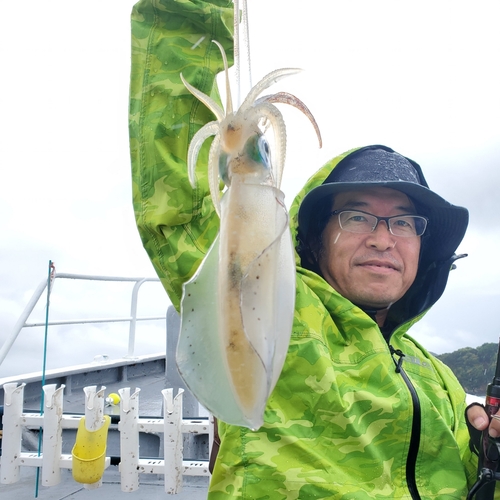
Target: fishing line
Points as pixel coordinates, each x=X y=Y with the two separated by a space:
x=337 y=238
x=50 y=278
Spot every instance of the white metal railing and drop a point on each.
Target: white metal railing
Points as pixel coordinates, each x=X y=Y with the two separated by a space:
x=132 y=319
x=90 y=469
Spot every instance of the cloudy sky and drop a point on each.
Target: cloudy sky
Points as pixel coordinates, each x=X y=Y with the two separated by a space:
x=421 y=77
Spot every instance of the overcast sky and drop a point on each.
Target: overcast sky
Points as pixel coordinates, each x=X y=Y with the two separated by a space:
x=421 y=77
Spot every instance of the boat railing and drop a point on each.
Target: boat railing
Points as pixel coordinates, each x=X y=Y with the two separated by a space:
x=88 y=459
x=132 y=319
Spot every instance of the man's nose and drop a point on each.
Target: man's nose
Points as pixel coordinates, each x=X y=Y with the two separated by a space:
x=381 y=238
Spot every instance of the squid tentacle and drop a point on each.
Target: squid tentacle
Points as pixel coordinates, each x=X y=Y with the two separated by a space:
x=205 y=99
x=268 y=80
x=213 y=173
x=208 y=130
x=229 y=99
x=287 y=98
x=277 y=124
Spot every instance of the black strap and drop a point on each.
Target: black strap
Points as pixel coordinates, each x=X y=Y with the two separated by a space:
x=215 y=448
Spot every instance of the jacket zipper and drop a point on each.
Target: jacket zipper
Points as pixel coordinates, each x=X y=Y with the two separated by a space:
x=411 y=459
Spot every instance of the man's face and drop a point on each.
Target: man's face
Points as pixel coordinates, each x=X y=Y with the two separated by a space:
x=370 y=269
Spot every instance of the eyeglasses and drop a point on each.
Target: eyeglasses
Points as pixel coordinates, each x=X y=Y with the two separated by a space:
x=355 y=221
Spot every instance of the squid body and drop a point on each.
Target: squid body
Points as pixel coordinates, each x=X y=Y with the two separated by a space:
x=237 y=310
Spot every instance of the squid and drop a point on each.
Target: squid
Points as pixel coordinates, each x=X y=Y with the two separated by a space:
x=237 y=310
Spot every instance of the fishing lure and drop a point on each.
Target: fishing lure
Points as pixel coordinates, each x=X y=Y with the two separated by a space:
x=237 y=310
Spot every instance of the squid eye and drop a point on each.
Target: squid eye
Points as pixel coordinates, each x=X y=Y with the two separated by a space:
x=258 y=150
x=263 y=147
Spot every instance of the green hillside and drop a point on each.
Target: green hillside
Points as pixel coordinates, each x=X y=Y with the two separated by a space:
x=474 y=367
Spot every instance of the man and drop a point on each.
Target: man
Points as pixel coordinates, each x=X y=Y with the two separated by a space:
x=361 y=410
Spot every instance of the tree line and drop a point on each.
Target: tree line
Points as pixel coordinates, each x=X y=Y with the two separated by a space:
x=474 y=367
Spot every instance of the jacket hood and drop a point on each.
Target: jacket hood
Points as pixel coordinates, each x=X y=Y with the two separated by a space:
x=447 y=222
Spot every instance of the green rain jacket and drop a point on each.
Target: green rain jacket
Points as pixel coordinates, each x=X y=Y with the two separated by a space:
x=344 y=422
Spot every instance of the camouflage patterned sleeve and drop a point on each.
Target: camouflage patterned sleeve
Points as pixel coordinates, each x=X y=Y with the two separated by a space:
x=176 y=223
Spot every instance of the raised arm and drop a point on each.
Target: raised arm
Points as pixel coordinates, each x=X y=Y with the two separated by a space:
x=176 y=223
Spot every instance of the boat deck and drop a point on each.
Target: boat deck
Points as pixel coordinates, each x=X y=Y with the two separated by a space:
x=68 y=489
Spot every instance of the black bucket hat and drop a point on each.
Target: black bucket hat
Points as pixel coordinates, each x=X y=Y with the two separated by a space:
x=380 y=166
